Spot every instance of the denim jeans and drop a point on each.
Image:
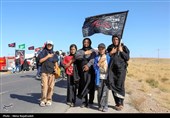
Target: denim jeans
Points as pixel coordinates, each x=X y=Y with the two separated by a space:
x=39 y=71
x=18 y=68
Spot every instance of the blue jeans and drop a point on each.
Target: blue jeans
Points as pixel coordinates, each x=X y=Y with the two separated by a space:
x=39 y=71
x=18 y=68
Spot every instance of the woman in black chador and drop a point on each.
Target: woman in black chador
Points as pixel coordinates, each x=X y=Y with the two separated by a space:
x=117 y=70
x=25 y=66
x=84 y=62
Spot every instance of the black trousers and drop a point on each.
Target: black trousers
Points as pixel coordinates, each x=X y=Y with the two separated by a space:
x=89 y=98
x=118 y=101
x=71 y=89
x=87 y=88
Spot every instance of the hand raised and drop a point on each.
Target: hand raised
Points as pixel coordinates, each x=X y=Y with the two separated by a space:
x=88 y=52
x=114 y=50
x=85 y=68
x=50 y=55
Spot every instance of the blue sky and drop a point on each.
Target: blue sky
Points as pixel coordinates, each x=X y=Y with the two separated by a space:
x=33 y=22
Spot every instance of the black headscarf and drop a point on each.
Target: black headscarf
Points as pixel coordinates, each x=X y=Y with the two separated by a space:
x=89 y=47
x=110 y=47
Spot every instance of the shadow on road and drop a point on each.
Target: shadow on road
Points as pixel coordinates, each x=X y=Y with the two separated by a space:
x=30 y=97
x=61 y=84
x=28 y=76
x=59 y=98
x=35 y=97
x=38 y=79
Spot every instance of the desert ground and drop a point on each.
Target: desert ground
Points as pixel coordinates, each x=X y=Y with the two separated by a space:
x=148 y=84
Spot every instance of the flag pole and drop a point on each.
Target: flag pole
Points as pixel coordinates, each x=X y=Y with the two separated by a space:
x=123 y=30
x=119 y=46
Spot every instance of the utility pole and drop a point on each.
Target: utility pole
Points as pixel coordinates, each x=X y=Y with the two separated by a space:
x=158 y=55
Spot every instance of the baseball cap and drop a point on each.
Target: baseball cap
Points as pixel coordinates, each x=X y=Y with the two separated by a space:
x=101 y=45
x=49 y=42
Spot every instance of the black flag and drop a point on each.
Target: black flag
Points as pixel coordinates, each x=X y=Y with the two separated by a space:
x=31 y=48
x=11 y=45
x=109 y=24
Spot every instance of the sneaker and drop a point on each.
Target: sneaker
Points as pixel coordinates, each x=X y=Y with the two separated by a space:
x=42 y=104
x=68 y=103
x=84 y=105
x=38 y=77
x=48 y=103
x=105 y=109
x=100 y=108
x=72 y=105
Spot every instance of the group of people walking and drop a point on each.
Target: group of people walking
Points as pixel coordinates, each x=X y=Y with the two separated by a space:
x=17 y=66
x=87 y=70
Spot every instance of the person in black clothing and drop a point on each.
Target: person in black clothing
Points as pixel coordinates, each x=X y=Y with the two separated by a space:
x=71 y=85
x=84 y=63
x=117 y=70
x=25 y=66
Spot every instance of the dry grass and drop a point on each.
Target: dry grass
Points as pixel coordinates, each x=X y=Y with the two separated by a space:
x=153 y=83
x=151 y=73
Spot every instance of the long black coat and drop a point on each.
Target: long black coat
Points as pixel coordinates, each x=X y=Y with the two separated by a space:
x=25 y=65
x=117 y=70
x=86 y=79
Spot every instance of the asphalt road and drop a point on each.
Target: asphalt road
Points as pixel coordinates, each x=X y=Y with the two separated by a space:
x=21 y=92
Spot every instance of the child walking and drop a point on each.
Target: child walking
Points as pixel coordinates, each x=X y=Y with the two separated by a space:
x=101 y=72
x=71 y=86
